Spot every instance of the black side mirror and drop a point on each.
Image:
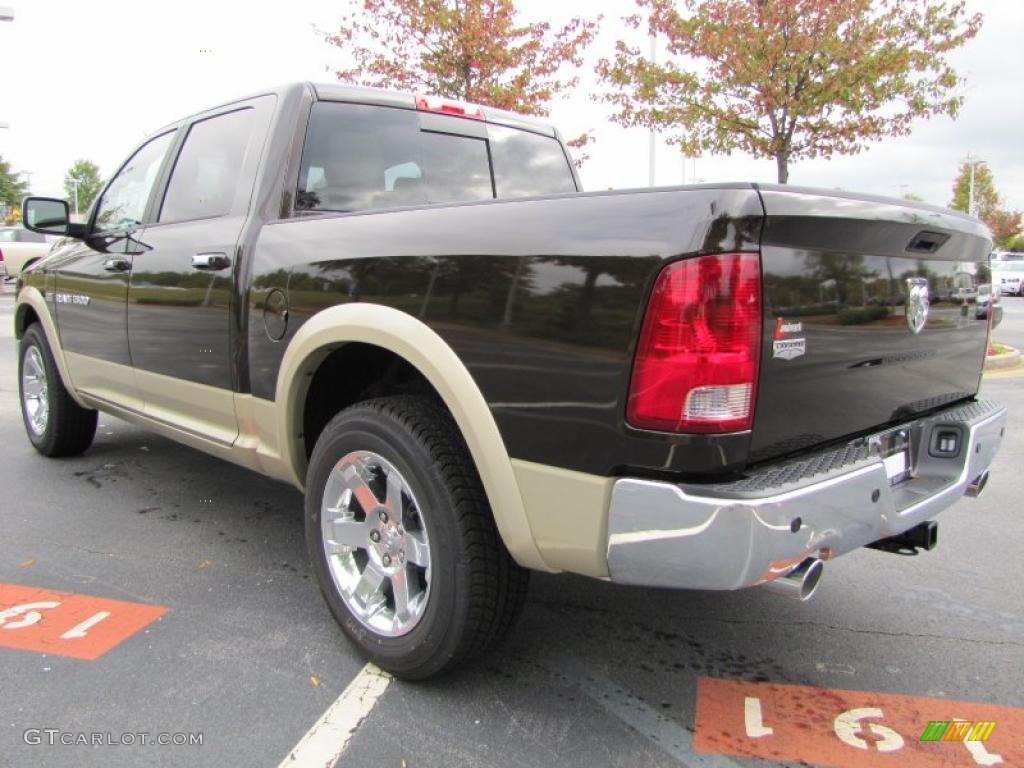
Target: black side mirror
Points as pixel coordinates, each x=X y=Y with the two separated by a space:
x=49 y=216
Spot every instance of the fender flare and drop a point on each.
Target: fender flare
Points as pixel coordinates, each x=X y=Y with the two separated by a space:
x=30 y=296
x=423 y=348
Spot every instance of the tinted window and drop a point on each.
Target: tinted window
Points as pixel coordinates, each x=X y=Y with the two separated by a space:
x=206 y=173
x=124 y=201
x=358 y=157
x=528 y=164
x=455 y=168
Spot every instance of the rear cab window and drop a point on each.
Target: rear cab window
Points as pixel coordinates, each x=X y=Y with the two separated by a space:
x=359 y=157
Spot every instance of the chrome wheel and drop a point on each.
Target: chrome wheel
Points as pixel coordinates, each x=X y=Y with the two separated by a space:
x=376 y=543
x=34 y=391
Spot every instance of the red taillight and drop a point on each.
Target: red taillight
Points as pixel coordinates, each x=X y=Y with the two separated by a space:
x=1 y=255
x=449 y=107
x=697 y=359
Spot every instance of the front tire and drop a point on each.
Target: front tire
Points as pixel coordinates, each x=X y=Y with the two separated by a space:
x=403 y=541
x=55 y=423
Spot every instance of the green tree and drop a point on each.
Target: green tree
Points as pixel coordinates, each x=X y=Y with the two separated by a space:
x=474 y=50
x=788 y=79
x=89 y=183
x=986 y=198
x=1004 y=224
x=12 y=189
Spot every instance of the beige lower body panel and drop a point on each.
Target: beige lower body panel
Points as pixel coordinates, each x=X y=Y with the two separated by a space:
x=249 y=450
x=233 y=427
x=198 y=408
x=568 y=514
x=103 y=380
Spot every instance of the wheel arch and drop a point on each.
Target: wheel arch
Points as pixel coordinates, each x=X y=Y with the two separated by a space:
x=30 y=307
x=423 y=349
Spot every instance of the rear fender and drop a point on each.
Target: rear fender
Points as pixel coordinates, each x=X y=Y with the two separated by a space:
x=420 y=346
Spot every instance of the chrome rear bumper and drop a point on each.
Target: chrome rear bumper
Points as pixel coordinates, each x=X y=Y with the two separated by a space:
x=746 y=532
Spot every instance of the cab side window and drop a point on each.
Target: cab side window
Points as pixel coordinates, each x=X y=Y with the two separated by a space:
x=208 y=169
x=124 y=201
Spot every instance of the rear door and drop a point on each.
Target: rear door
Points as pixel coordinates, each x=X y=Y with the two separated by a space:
x=181 y=294
x=92 y=281
x=869 y=316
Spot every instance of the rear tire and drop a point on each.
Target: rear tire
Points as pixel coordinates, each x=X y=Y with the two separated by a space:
x=403 y=541
x=55 y=423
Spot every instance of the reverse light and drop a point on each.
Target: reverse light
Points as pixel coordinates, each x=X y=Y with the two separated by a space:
x=697 y=359
x=449 y=107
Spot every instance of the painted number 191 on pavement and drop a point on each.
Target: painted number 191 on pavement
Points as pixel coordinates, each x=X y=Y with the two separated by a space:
x=67 y=624
x=849 y=729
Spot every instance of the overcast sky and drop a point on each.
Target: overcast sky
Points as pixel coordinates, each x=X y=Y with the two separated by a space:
x=90 y=78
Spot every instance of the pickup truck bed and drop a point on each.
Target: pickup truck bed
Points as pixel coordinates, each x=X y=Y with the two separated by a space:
x=405 y=307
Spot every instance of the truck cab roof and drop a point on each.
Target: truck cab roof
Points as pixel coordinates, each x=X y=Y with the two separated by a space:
x=357 y=94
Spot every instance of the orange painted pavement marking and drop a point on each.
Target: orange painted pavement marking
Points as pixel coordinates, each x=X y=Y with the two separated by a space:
x=67 y=624
x=849 y=729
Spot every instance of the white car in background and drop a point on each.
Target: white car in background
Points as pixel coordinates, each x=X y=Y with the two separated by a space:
x=18 y=248
x=1009 y=276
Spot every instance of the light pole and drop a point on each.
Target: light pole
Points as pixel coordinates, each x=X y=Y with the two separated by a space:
x=75 y=181
x=974 y=161
x=6 y=14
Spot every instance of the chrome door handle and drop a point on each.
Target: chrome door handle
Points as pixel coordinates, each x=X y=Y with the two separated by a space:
x=211 y=261
x=117 y=264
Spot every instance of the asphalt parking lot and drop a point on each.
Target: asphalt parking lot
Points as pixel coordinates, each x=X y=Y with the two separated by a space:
x=1011 y=329
x=247 y=655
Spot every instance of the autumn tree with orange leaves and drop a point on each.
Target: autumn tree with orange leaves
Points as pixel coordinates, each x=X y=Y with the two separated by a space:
x=788 y=79
x=473 y=50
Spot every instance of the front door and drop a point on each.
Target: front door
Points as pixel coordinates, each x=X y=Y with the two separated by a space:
x=92 y=282
x=181 y=292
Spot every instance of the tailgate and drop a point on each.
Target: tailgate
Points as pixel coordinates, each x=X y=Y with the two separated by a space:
x=869 y=316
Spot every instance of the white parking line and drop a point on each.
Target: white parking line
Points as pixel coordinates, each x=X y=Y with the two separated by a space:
x=326 y=740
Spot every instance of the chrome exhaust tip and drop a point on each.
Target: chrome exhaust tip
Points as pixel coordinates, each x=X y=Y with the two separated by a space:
x=800 y=583
x=977 y=485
